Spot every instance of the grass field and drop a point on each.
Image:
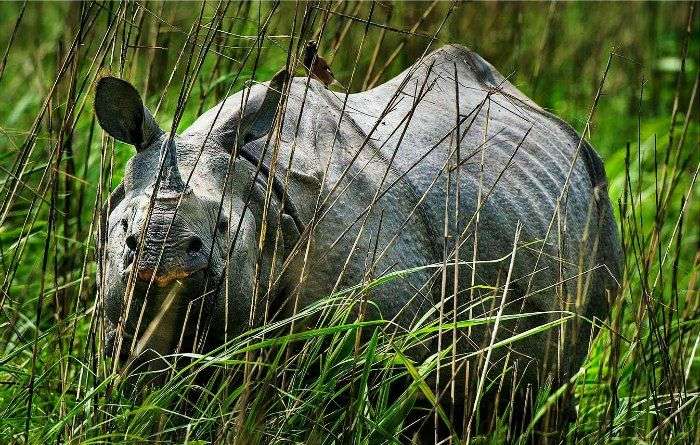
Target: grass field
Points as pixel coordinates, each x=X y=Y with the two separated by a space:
x=641 y=380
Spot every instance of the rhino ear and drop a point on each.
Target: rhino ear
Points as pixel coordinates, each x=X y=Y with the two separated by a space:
x=258 y=123
x=121 y=113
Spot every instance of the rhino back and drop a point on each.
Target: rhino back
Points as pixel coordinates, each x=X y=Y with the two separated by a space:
x=527 y=163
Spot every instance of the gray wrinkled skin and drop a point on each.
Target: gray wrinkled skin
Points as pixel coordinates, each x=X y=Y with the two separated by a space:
x=576 y=271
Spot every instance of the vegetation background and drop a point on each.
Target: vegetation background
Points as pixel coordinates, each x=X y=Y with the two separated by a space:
x=641 y=382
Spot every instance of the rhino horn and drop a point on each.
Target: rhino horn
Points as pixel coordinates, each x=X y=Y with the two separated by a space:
x=171 y=183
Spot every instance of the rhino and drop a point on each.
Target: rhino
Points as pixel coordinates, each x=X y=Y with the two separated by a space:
x=287 y=191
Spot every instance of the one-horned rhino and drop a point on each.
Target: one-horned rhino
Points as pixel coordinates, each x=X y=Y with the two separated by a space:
x=287 y=191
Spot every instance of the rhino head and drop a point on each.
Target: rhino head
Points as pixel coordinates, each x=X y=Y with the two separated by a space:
x=180 y=260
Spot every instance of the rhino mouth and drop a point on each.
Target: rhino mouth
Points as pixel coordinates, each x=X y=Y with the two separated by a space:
x=165 y=278
x=163 y=320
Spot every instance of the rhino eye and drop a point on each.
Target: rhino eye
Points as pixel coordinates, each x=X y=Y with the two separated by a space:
x=125 y=224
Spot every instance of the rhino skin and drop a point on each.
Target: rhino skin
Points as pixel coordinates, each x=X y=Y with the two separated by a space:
x=377 y=159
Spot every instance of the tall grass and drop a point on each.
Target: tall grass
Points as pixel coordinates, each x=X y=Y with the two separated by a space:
x=344 y=380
